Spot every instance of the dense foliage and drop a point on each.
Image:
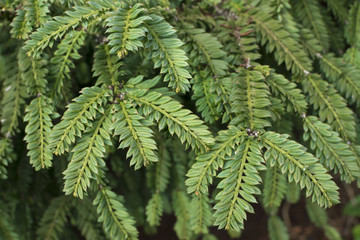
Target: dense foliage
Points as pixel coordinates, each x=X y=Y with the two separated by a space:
x=114 y=113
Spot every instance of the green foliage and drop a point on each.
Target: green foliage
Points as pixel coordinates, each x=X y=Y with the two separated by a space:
x=54 y=218
x=277 y=229
x=164 y=48
x=37 y=132
x=126 y=30
x=309 y=14
x=112 y=212
x=194 y=94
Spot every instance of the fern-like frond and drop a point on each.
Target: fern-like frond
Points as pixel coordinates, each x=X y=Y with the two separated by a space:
x=200 y=214
x=276 y=38
x=204 y=169
x=343 y=75
x=338 y=8
x=293 y=192
x=352 y=30
x=38 y=130
x=85 y=219
x=301 y=167
x=208 y=63
x=274 y=187
x=135 y=133
x=288 y=92
x=205 y=96
x=88 y=156
x=79 y=114
x=181 y=205
x=21 y=26
x=310 y=43
x=277 y=229
x=164 y=48
x=154 y=210
x=7 y=228
x=56 y=28
x=309 y=14
x=13 y=101
x=54 y=219
x=126 y=29
x=250 y=100
x=37 y=11
x=203 y=48
x=158 y=174
x=332 y=107
x=117 y=222
x=106 y=66
x=66 y=51
x=330 y=149
x=34 y=73
x=169 y=112
x=6 y=156
x=238 y=186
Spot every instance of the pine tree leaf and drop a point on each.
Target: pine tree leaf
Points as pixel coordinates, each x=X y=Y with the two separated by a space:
x=6 y=156
x=12 y=101
x=200 y=214
x=56 y=28
x=61 y=63
x=79 y=114
x=126 y=29
x=301 y=167
x=88 y=156
x=250 y=100
x=135 y=133
x=238 y=186
x=181 y=205
x=288 y=92
x=54 y=219
x=316 y=214
x=276 y=38
x=164 y=48
x=117 y=222
x=33 y=72
x=352 y=30
x=106 y=66
x=332 y=107
x=274 y=187
x=308 y=12
x=277 y=229
x=21 y=26
x=154 y=210
x=330 y=149
x=7 y=229
x=206 y=165
x=37 y=132
x=168 y=112
x=343 y=75
x=338 y=8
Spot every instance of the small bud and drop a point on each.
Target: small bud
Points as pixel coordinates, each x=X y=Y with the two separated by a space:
x=8 y=135
x=306 y=72
x=121 y=96
x=318 y=55
x=348 y=142
x=110 y=87
x=303 y=115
